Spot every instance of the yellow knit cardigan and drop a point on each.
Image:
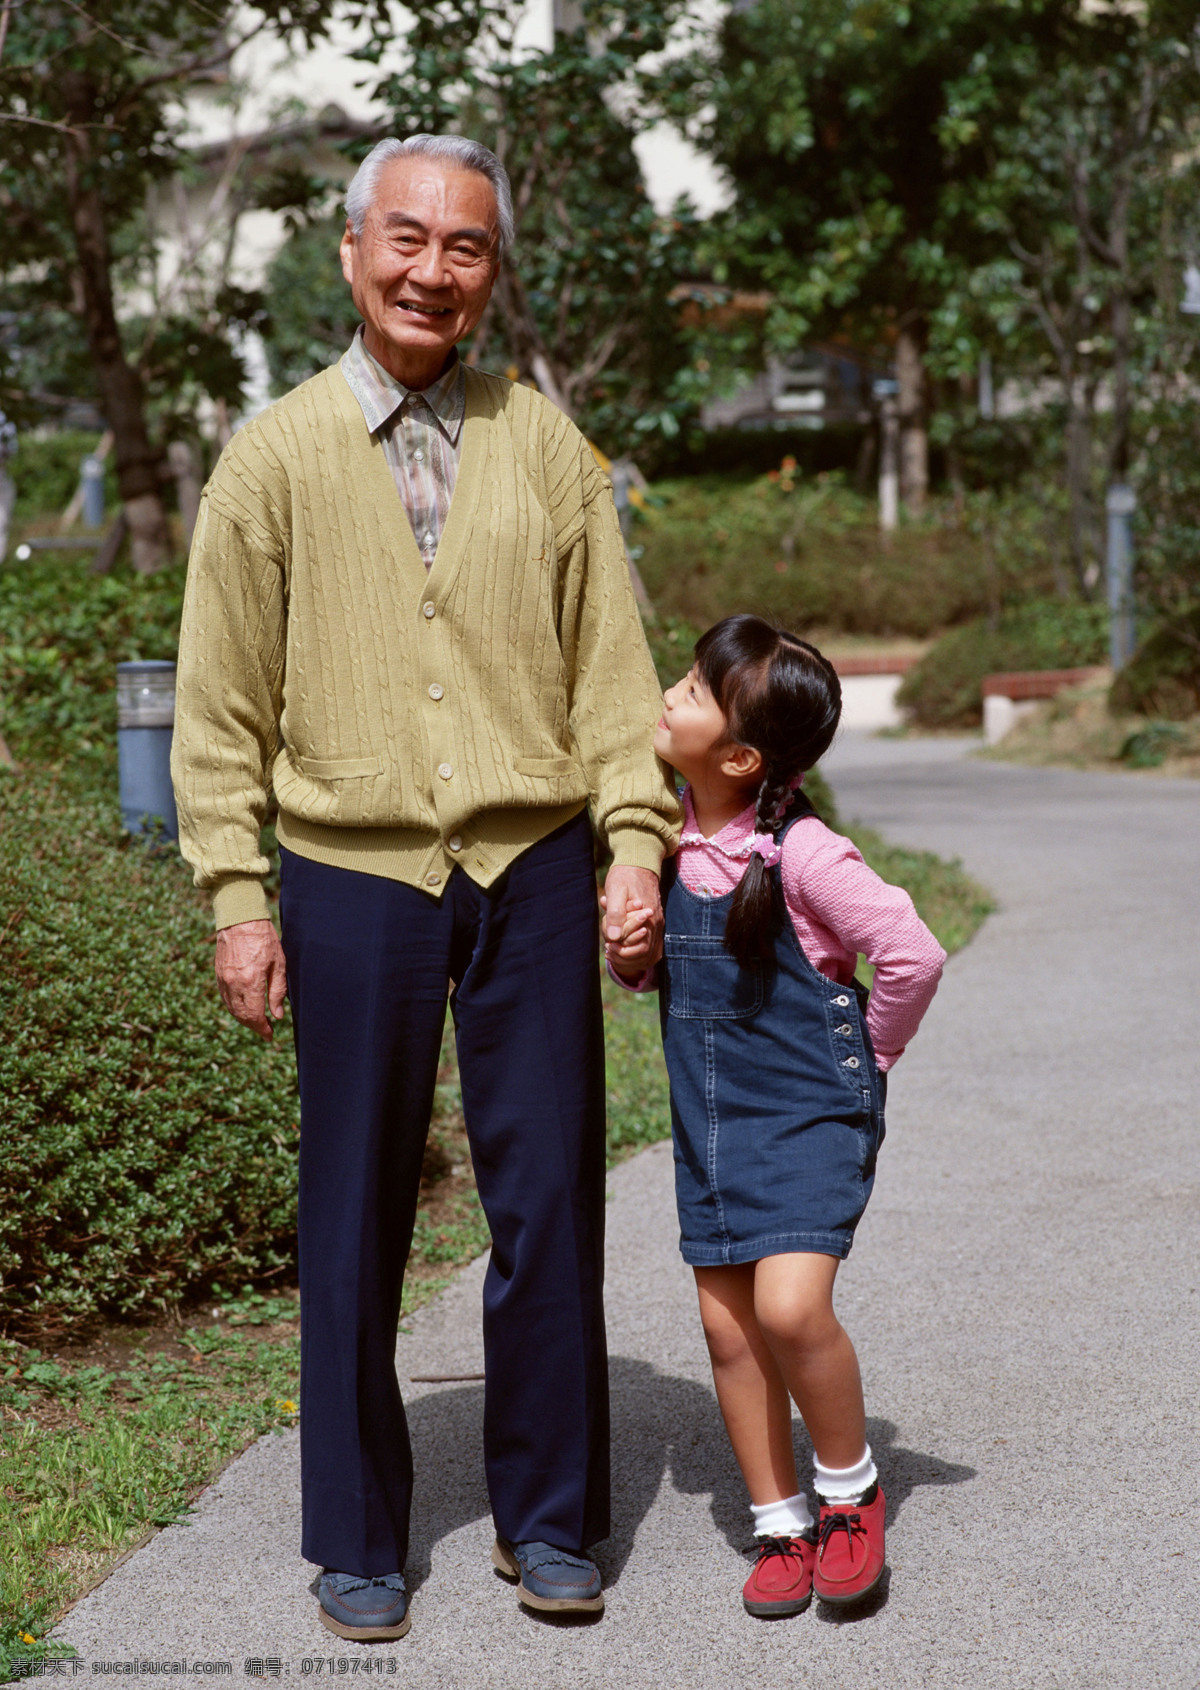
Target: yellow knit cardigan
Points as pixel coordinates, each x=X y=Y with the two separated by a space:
x=411 y=722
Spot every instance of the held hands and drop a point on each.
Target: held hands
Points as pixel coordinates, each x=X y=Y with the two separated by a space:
x=251 y=974
x=633 y=921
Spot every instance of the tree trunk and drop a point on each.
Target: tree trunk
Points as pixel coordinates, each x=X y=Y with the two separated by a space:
x=1079 y=476
x=525 y=340
x=1122 y=333
x=138 y=472
x=914 y=435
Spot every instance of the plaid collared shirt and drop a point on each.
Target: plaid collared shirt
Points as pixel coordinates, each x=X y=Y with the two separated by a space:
x=421 y=435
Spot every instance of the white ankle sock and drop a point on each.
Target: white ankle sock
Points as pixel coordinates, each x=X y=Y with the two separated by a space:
x=782 y=1519
x=845 y=1484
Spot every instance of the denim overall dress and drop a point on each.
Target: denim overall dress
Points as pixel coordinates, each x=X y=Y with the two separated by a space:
x=776 y=1102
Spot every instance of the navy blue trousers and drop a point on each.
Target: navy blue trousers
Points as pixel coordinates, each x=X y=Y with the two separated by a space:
x=369 y=965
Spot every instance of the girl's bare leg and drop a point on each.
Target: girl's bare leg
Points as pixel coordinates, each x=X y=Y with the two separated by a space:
x=793 y=1315
x=750 y=1388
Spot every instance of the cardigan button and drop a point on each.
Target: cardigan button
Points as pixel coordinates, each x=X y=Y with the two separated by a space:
x=433 y=880
x=445 y=770
x=429 y=610
x=436 y=692
x=454 y=842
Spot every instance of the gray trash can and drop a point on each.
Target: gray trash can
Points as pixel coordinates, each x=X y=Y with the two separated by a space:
x=145 y=720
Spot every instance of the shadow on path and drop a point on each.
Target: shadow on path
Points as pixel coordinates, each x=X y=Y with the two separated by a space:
x=660 y=1424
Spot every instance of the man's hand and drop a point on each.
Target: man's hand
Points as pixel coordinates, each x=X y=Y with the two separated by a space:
x=252 y=974
x=629 y=956
x=632 y=893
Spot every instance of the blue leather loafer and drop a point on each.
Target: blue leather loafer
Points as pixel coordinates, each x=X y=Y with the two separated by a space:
x=367 y=1610
x=549 y=1578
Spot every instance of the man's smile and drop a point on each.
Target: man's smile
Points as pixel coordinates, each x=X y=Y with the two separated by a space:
x=425 y=310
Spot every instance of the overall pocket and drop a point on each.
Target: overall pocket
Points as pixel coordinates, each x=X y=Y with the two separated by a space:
x=704 y=983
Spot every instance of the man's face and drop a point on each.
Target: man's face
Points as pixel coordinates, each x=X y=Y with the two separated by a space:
x=422 y=270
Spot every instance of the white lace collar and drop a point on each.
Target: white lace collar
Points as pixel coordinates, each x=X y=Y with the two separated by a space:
x=741 y=828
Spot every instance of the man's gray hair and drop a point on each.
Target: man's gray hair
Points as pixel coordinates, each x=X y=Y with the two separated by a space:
x=457 y=150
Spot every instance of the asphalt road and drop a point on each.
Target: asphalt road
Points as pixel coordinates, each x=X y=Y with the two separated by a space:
x=1023 y=1294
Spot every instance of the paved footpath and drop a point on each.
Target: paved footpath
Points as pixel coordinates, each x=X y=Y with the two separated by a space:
x=1023 y=1293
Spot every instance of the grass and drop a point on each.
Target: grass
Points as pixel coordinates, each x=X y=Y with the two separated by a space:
x=1078 y=730
x=100 y=1448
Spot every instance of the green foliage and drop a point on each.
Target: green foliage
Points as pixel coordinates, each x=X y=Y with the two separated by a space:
x=1163 y=676
x=312 y=313
x=45 y=471
x=147 y=1144
x=582 y=306
x=1167 y=478
x=945 y=688
x=93 y=1457
x=62 y=634
x=829 y=120
x=808 y=553
x=1150 y=746
x=92 y=117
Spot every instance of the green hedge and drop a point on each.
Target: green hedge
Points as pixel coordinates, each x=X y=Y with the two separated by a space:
x=147 y=1143
x=45 y=472
x=62 y=634
x=807 y=552
x=945 y=689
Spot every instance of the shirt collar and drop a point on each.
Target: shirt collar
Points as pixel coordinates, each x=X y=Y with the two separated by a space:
x=736 y=838
x=381 y=396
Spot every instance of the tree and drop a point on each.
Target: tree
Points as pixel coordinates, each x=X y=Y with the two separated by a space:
x=1090 y=201
x=89 y=101
x=583 y=306
x=834 y=122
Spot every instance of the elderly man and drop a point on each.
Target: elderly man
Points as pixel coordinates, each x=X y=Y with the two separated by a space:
x=408 y=607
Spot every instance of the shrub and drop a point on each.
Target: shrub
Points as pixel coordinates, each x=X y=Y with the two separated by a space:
x=62 y=634
x=147 y=1143
x=808 y=553
x=45 y=472
x=945 y=687
x=1149 y=747
x=1163 y=676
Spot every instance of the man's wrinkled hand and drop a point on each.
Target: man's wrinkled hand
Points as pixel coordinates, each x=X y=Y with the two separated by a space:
x=631 y=896
x=252 y=974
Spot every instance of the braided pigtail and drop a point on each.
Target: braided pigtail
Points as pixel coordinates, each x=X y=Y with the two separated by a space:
x=753 y=921
x=781 y=698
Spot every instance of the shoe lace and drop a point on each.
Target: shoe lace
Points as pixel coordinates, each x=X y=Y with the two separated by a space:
x=343 y=1583
x=764 y=1547
x=545 y=1555
x=849 y=1523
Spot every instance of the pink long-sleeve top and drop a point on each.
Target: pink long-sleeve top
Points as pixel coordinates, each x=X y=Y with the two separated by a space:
x=838 y=908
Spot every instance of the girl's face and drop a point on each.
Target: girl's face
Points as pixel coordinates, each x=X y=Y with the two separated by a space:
x=692 y=732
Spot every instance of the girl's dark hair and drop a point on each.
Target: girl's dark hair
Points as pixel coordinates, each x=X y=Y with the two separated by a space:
x=783 y=699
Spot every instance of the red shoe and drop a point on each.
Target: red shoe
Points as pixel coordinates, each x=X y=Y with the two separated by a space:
x=782 y=1580
x=850 y=1548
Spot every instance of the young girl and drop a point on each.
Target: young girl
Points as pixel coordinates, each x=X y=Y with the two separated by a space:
x=777 y=1085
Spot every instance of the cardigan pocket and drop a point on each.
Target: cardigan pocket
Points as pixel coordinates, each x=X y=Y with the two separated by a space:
x=546 y=768
x=337 y=768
